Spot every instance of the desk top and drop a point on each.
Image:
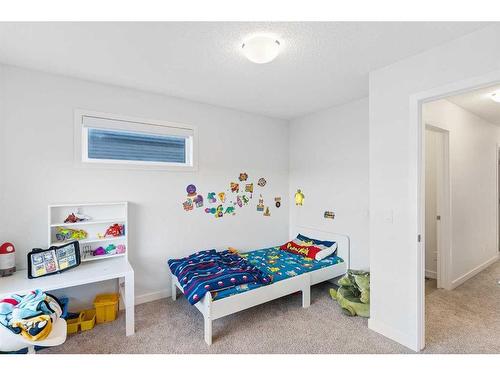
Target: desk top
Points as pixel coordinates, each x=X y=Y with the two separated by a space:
x=85 y=273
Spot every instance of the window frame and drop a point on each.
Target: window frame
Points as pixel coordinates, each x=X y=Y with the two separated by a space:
x=136 y=124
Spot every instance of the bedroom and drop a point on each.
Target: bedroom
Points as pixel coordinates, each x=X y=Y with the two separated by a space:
x=305 y=143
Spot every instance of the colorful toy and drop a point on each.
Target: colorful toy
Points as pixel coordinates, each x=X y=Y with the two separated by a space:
x=75 y=218
x=243 y=177
x=99 y=251
x=120 y=249
x=235 y=187
x=299 y=198
x=198 y=201
x=188 y=205
x=191 y=190
x=64 y=234
x=7 y=259
x=110 y=249
x=115 y=230
x=353 y=295
x=262 y=182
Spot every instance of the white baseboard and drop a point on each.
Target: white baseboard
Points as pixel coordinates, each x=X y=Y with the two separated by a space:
x=431 y=274
x=153 y=296
x=473 y=272
x=393 y=334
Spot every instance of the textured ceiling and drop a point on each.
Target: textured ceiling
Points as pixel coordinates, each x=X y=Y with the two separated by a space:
x=321 y=64
x=480 y=103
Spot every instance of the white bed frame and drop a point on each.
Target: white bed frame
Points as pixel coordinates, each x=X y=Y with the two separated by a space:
x=212 y=310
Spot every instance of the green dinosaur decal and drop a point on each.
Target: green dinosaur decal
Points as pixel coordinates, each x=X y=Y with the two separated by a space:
x=353 y=295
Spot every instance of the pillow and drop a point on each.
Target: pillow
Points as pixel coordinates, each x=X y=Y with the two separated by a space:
x=327 y=247
x=303 y=238
x=303 y=250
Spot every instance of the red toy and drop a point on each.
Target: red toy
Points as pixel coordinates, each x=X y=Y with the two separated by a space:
x=114 y=231
x=7 y=259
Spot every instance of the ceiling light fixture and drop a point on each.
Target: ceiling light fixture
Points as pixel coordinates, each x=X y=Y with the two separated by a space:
x=261 y=49
x=495 y=96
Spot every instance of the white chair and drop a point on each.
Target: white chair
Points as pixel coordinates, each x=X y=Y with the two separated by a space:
x=11 y=342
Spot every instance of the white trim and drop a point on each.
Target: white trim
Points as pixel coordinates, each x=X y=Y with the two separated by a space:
x=153 y=296
x=416 y=132
x=431 y=274
x=131 y=123
x=473 y=272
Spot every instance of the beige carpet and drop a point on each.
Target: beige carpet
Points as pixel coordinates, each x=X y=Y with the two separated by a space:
x=465 y=320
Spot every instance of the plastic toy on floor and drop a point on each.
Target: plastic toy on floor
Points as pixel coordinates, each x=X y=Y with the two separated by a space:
x=353 y=295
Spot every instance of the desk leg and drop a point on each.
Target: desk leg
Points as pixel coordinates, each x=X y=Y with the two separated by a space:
x=129 y=304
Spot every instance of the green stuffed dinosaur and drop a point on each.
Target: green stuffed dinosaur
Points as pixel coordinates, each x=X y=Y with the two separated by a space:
x=353 y=295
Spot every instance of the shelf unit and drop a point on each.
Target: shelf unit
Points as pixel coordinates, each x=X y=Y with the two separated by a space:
x=102 y=216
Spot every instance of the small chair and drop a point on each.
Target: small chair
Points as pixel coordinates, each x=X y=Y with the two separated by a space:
x=11 y=342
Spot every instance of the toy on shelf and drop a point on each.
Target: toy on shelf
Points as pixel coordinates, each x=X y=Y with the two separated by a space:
x=99 y=251
x=110 y=249
x=75 y=218
x=115 y=230
x=7 y=259
x=65 y=234
x=120 y=249
x=299 y=198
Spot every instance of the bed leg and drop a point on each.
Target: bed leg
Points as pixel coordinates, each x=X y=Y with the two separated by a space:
x=208 y=330
x=174 y=289
x=306 y=297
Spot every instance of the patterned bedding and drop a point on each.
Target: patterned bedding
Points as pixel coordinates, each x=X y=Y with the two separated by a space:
x=279 y=265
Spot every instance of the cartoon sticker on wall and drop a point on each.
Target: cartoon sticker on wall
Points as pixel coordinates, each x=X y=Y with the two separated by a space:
x=198 y=201
x=260 y=206
x=222 y=197
x=277 y=202
x=188 y=204
x=211 y=197
x=329 y=215
x=191 y=190
x=235 y=187
x=299 y=198
x=243 y=177
x=262 y=182
x=267 y=212
x=249 y=188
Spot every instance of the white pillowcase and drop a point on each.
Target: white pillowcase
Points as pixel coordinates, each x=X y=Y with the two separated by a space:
x=326 y=252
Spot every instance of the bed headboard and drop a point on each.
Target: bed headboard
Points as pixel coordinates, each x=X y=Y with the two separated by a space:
x=343 y=240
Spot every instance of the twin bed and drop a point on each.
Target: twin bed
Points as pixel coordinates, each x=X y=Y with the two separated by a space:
x=291 y=273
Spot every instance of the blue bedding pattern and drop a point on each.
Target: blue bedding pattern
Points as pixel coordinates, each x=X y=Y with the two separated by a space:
x=210 y=270
x=279 y=265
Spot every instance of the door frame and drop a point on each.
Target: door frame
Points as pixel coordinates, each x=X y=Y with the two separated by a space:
x=417 y=134
x=443 y=204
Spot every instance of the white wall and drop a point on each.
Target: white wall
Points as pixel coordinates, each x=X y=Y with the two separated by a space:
x=329 y=163
x=431 y=149
x=37 y=168
x=393 y=172
x=473 y=185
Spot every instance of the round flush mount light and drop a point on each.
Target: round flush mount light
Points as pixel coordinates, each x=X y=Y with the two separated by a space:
x=261 y=49
x=495 y=96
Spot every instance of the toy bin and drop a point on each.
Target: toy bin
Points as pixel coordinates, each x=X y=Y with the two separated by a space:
x=72 y=325
x=87 y=320
x=106 y=307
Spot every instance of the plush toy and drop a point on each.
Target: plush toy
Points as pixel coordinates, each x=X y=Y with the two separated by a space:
x=99 y=251
x=120 y=249
x=114 y=231
x=353 y=295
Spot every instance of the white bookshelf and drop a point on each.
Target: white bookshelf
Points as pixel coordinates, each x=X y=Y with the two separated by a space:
x=102 y=216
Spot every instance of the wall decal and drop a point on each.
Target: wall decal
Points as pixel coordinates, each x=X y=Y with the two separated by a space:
x=243 y=177
x=191 y=190
x=329 y=215
x=262 y=182
x=229 y=211
x=267 y=212
x=299 y=198
x=235 y=187
x=249 y=188
x=188 y=205
x=277 y=202
x=222 y=197
x=239 y=202
x=260 y=206
x=211 y=197
x=198 y=201
x=245 y=199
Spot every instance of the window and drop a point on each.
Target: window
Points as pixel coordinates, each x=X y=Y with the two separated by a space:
x=115 y=140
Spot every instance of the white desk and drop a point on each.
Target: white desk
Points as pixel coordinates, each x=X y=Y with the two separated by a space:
x=86 y=273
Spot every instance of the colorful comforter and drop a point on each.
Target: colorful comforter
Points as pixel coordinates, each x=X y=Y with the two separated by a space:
x=212 y=271
x=279 y=265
